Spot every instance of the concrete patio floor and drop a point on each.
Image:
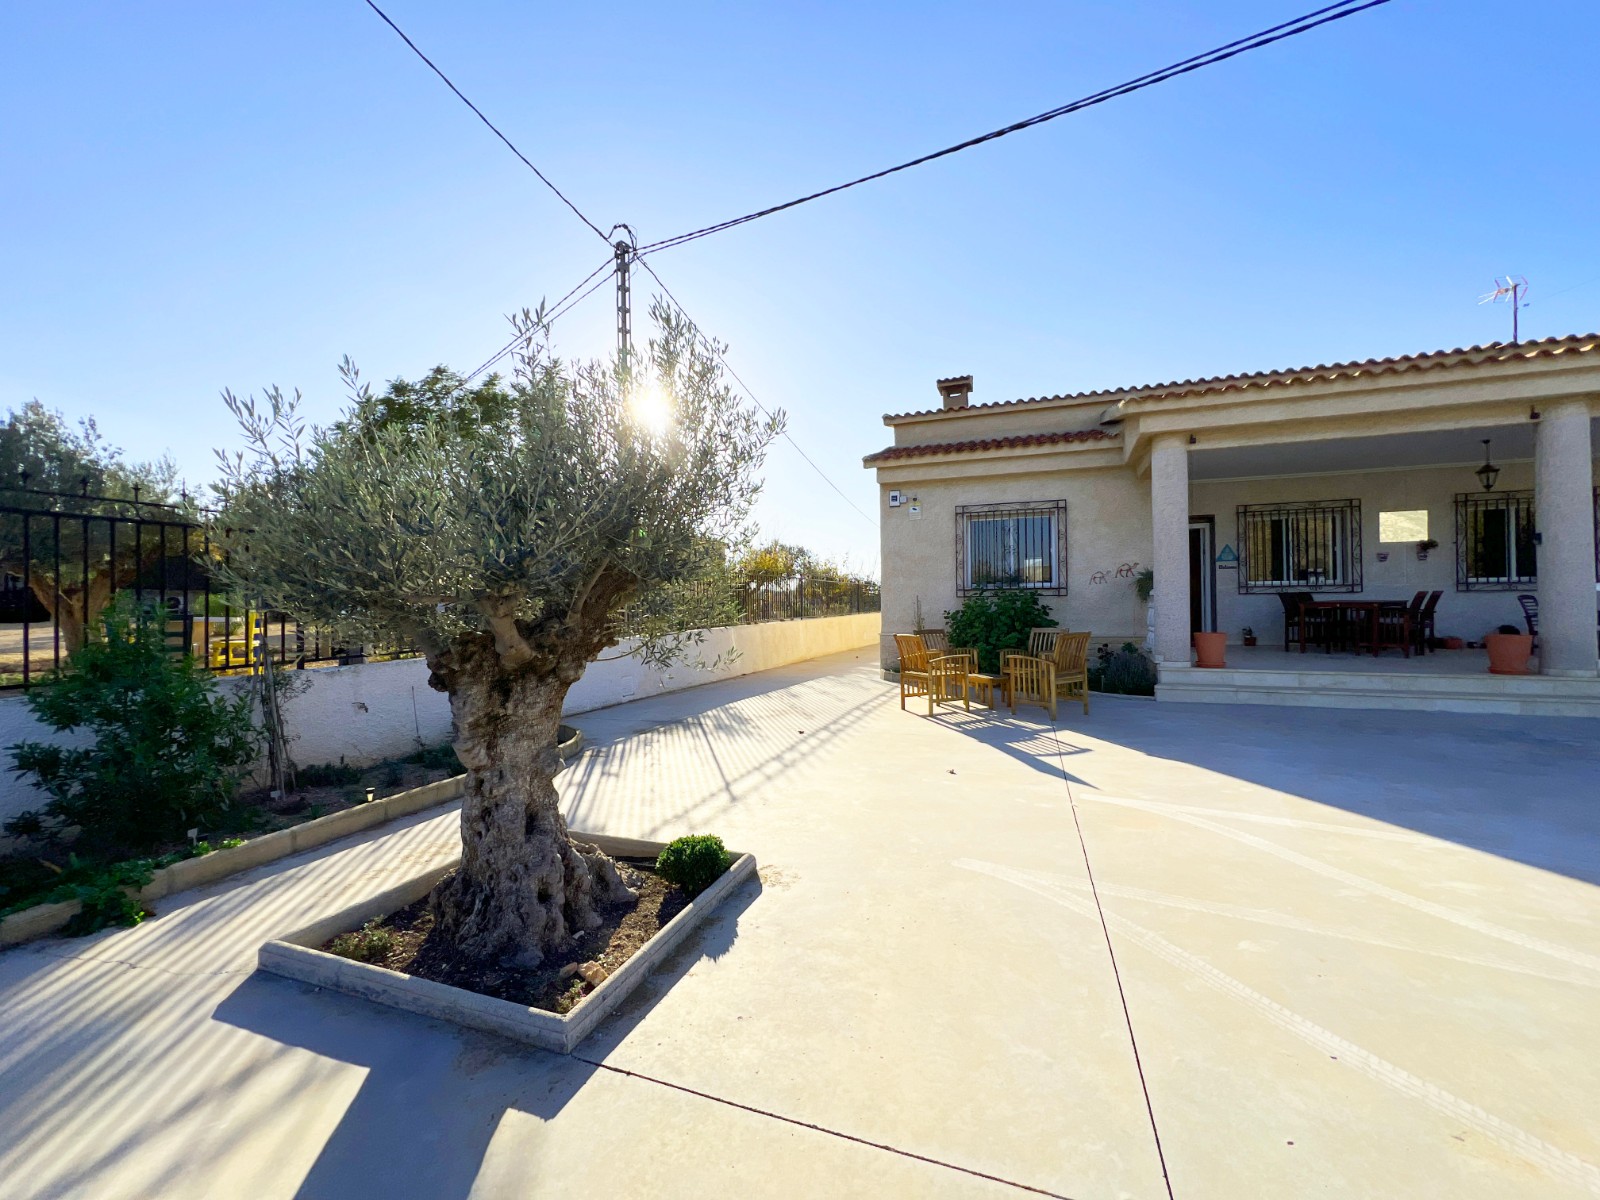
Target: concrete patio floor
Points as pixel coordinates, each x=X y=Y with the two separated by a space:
x=1358 y=954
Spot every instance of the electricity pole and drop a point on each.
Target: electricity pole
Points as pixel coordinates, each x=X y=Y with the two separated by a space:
x=624 y=253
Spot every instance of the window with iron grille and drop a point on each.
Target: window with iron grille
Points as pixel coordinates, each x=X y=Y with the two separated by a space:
x=1496 y=544
x=1310 y=545
x=1012 y=546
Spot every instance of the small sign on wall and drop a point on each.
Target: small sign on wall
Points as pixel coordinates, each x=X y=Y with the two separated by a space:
x=914 y=511
x=1227 y=560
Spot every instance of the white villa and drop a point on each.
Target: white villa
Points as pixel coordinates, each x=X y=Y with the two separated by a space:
x=1329 y=480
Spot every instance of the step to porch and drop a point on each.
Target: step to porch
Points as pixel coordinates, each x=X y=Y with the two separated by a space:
x=1521 y=695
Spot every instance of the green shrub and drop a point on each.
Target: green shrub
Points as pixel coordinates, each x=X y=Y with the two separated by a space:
x=1126 y=672
x=99 y=887
x=367 y=944
x=693 y=863
x=442 y=757
x=167 y=753
x=990 y=622
x=326 y=774
x=107 y=896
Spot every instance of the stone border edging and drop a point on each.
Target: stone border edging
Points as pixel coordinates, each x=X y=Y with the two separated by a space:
x=44 y=919
x=295 y=956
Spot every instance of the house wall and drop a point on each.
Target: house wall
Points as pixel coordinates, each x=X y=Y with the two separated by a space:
x=1108 y=524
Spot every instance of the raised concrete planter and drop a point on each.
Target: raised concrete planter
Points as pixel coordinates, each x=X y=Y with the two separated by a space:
x=44 y=919
x=295 y=956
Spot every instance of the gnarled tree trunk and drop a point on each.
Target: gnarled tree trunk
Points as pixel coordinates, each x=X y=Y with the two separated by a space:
x=524 y=887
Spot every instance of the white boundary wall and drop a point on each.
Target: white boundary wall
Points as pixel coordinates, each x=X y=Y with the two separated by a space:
x=379 y=710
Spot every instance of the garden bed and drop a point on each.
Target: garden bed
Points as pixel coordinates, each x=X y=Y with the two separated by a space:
x=292 y=827
x=541 y=1007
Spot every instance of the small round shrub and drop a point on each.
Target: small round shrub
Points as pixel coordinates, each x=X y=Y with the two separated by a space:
x=370 y=943
x=693 y=863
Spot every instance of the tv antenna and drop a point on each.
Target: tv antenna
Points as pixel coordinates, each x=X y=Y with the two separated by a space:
x=1513 y=288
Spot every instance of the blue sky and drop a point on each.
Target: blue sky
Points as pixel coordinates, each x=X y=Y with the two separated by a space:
x=199 y=196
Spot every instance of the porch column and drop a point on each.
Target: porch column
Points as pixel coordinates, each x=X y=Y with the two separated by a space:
x=1564 y=500
x=1169 y=523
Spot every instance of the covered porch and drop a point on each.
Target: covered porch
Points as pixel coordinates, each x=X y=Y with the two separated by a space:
x=1364 y=494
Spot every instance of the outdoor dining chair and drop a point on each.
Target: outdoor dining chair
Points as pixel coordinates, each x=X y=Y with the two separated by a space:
x=1294 y=616
x=1530 y=617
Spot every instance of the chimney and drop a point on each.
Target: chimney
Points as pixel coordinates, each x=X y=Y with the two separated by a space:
x=954 y=392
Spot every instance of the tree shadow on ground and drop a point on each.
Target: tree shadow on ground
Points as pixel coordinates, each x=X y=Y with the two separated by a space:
x=1520 y=788
x=434 y=1093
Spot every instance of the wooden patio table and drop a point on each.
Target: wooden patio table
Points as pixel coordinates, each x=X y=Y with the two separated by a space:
x=1372 y=609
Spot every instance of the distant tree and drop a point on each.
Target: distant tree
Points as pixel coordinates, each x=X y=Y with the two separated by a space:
x=72 y=574
x=774 y=562
x=505 y=548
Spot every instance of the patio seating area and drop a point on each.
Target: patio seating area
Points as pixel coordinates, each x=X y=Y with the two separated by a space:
x=1054 y=667
x=1366 y=625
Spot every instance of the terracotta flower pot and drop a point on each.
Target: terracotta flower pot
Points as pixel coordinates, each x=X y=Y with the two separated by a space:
x=1508 y=652
x=1210 y=649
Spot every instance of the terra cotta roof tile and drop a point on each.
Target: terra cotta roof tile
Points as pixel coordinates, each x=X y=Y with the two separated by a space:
x=995 y=443
x=1495 y=352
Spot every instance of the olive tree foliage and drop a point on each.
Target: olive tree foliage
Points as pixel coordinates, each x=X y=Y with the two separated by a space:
x=504 y=547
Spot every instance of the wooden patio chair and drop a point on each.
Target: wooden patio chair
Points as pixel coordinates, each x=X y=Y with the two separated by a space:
x=1041 y=644
x=942 y=679
x=1031 y=680
x=1070 y=657
x=937 y=642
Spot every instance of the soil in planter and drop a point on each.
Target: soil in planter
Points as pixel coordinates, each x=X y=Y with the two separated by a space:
x=407 y=941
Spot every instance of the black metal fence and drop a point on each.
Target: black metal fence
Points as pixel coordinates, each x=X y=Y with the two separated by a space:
x=714 y=603
x=64 y=556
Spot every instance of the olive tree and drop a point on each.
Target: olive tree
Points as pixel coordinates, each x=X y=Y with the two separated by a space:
x=73 y=567
x=504 y=547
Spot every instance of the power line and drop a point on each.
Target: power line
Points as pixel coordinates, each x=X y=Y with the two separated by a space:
x=555 y=312
x=479 y=114
x=727 y=366
x=1276 y=33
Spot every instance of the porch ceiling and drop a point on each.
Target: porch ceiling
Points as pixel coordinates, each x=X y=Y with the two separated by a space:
x=1432 y=448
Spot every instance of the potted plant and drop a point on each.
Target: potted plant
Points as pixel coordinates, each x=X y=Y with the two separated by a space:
x=1509 y=650
x=1423 y=547
x=1248 y=636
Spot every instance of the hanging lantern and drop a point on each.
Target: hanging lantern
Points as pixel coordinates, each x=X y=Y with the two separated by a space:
x=1487 y=473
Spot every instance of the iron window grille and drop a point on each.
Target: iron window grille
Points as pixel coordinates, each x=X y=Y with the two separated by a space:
x=1310 y=545
x=1005 y=546
x=1496 y=541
